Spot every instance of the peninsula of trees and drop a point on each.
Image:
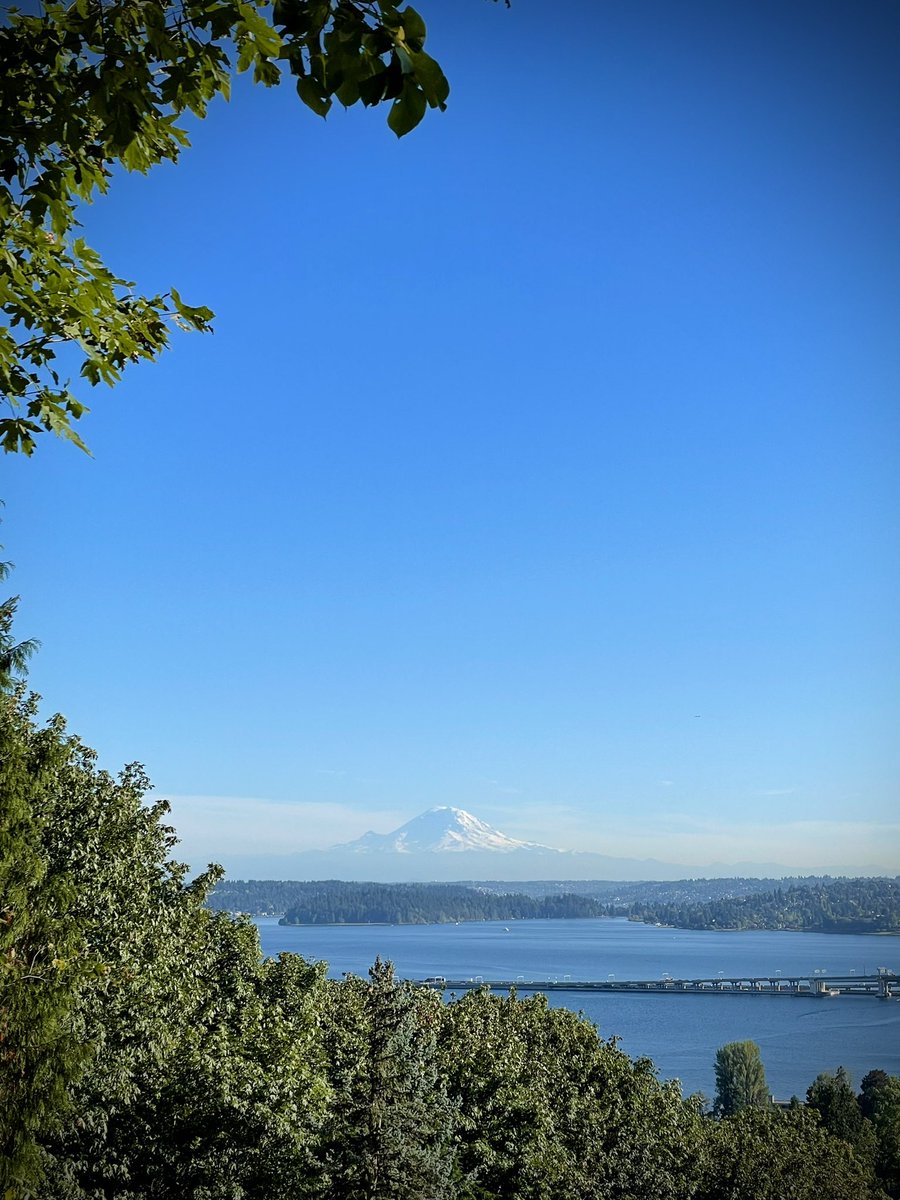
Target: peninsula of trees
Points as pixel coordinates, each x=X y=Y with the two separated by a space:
x=335 y=902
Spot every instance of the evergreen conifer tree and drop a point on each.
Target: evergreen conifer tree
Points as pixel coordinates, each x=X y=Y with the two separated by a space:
x=390 y=1137
x=42 y=952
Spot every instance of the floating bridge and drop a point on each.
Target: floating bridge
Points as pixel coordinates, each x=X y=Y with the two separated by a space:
x=884 y=985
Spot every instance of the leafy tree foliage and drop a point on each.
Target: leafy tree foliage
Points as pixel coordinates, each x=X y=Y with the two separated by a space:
x=884 y=1103
x=548 y=1109
x=770 y=1155
x=740 y=1079
x=43 y=955
x=104 y=83
x=146 y=1048
x=871 y=1085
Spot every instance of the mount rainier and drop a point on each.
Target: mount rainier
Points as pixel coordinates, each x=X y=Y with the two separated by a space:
x=448 y=844
x=442 y=830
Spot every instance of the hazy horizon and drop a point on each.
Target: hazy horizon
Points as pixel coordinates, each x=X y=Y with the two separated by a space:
x=245 y=855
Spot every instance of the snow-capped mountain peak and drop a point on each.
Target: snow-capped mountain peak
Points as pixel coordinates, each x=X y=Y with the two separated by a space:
x=440 y=830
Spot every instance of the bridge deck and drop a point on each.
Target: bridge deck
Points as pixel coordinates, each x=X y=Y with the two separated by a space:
x=883 y=985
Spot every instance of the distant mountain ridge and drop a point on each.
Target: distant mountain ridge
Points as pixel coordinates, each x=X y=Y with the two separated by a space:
x=447 y=844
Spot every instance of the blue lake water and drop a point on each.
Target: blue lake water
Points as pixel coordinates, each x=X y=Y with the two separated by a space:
x=798 y=1036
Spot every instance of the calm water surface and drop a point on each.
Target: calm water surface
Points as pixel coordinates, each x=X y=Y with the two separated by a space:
x=798 y=1037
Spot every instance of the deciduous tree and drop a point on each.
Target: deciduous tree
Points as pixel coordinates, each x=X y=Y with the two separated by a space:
x=548 y=1109
x=740 y=1079
x=870 y=1086
x=773 y=1155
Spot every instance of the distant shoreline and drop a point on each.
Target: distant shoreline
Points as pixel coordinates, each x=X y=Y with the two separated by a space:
x=889 y=933
x=868 y=907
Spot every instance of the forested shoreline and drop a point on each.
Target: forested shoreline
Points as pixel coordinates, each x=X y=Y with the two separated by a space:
x=421 y=904
x=337 y=902
x=839 y=906
x=816 y=906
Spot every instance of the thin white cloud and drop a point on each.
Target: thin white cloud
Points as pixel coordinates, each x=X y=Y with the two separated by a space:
x=504 y=789
x=209 y=827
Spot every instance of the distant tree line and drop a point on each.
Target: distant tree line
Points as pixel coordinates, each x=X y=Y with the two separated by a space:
x=662 y=891
x=838 y=906
x=817 y=904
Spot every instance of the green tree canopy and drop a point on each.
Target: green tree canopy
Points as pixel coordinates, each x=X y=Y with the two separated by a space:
x=869 y=1087
x=885 y=1116
x=548 y=1109
x=769 y=1155
x=97 y=84
x=142 y=1039
x=42 y=951
x=740 y=1079
x=833 y=1098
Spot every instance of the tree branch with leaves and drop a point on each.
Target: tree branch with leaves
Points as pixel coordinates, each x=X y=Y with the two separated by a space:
x=104 y=83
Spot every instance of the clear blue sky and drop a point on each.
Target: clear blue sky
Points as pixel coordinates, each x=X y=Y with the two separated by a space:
x=542 y=463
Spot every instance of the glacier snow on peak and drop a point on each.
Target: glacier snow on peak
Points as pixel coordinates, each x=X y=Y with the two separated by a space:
x=440 y=830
